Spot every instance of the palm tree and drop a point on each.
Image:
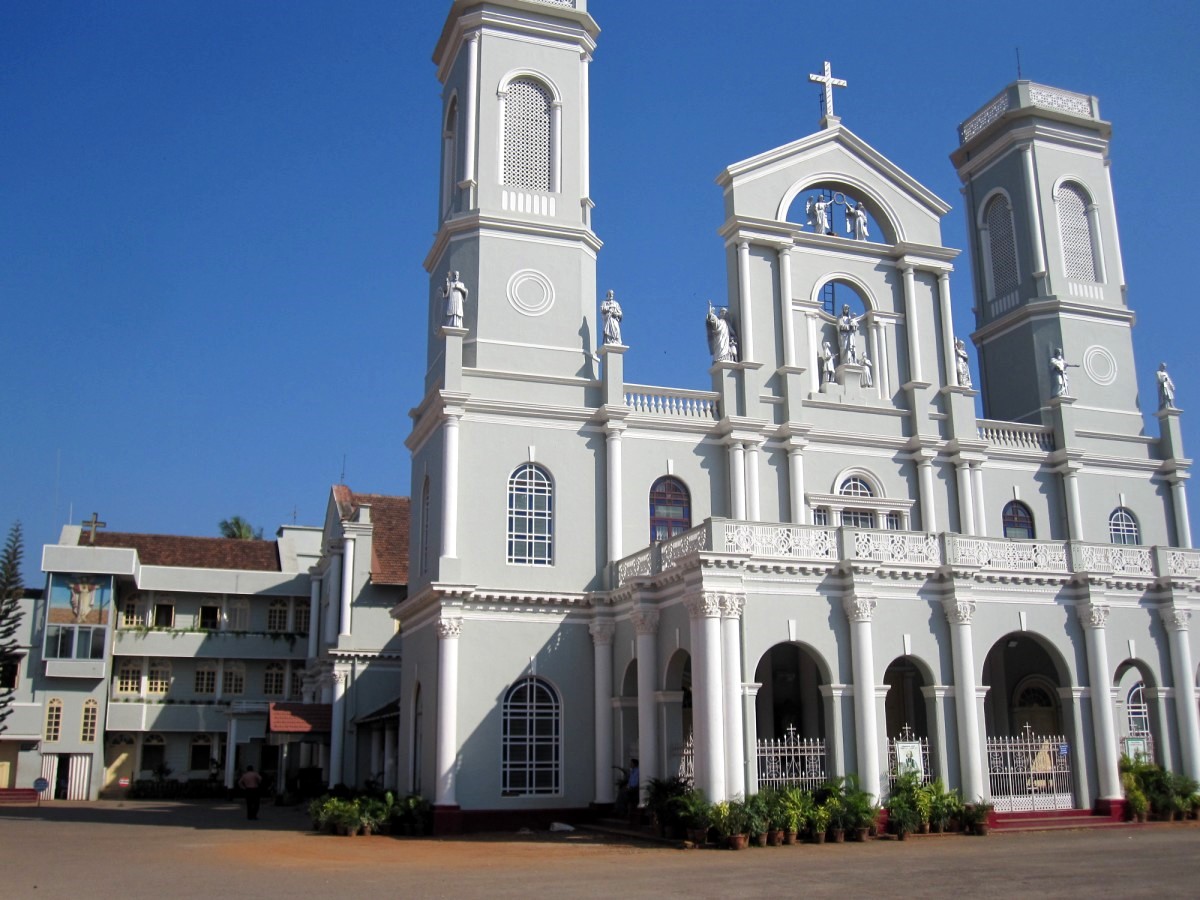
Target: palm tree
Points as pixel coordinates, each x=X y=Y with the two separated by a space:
x=239 y=528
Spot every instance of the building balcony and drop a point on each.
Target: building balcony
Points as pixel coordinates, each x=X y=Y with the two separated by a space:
x=908 y=554
x=209 y=644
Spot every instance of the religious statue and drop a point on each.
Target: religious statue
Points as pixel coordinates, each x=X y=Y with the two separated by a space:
x=847 y=328
x=454 y=292
x=818 y=214
x=1166 y=388
x=856 y=221
x=611 y=310
x=828 y=367
x=722 y=337
x=1058 y=372
x=961 y=369
x=866 y=379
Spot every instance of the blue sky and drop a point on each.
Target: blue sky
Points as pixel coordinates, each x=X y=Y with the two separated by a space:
x=213 y=215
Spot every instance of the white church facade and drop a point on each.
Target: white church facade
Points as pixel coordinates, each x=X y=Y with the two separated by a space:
x=829 y=551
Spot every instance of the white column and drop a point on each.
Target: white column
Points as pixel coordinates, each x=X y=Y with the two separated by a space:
x=1035 y=217
x=337 y=728
x=1074 y=510
x=602 y=639
x=333 y=581
x=814 y=347
x=585 y=138
x=645 y=622
x=752 y=497
x=449 y=630
x=785 y=305
x=970 y=757
x=883 y=371
x=948 y=360
x=1184 y=675
x=231 y=752
x=746 y=350
x=1183 y=526
x=835 y=746
x=615 y=516
x=912 y=325
x=859 y=610
x=935 y=696
x=731 y=663
x=737 y=481
x=980 y=515
x=472 y=116
x=707 y=695
x=347 y=585
x=1112 y=228
x=556 y=146
x=925 y=488
x=314 y=614
x=750 y=735
x=1093 y=616
x=450 y=485
x=966 y=493
x=796 y=484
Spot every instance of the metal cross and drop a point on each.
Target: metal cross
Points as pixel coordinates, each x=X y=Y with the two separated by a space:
x=92 y=524
x=830 y=83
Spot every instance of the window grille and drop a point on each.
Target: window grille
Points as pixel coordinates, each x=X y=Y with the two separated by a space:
x=158 y=680
x=895 y=522
x=1138 y=710
x=234 y=681
x=206 y=678
x=54 y=711
x=300 y=621
x=273 y=680
x=532 y=750
x=821 y=516
x=297 y=682
x=91 y=714
x=527 y=135
x=1017 y=521
x=1002 y=242
x=277 y=615
x=1078 y=253
x=132 y=615
x=1123 y=527
x=858 y=518
x=237 y=615
x=129 y=677
x=855 y=487
x=670 y=509
x=530 y=517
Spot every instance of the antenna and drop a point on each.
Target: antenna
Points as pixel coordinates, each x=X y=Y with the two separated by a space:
x=342 y=477
x=1018 y=63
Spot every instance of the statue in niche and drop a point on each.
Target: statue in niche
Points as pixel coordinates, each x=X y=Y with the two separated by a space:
x=817 y=209
x=866 y=379
x=722 y=336
x=611 y=310
x=856 y=221
x=454 y=292
x=847 y=329
x=828 y=365
x=1058 y=372
x=961 y=369
x=1166 y=388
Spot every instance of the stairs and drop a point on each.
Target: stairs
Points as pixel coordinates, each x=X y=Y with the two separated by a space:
x=1055 y=820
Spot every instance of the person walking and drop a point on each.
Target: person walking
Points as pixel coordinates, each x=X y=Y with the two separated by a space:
x=251 y=783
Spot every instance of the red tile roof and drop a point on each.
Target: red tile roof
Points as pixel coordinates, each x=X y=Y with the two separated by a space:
x=195 y=552
x=390 y=517
x=300 y=718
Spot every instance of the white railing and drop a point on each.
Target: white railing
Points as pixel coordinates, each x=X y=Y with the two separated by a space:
x=1057 y=98
x=788 y=541
x=898 y=547
x=525 y=202
x=1021 y=556
x=658 y=401
x=639 y=565
x=1016 y=436
x=793 y=760
x=687 y=761
x=1116 y=559
x=995 y=108
x=1086 y=290
x=674 y=549
x=909 y=753
x=1183 y=563
x=1030 y=772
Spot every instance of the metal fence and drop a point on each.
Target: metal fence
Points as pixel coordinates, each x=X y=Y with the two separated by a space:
x=908 y=752
x=1030 y=772
x=792 y=760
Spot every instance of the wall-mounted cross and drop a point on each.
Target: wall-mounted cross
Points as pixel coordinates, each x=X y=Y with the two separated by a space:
x=830 y=83
x=90 y=525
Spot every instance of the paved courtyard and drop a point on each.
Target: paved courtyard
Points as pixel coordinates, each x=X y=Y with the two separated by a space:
x=166 y=850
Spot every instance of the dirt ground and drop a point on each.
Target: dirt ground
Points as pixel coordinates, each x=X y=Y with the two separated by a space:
x=161 y=850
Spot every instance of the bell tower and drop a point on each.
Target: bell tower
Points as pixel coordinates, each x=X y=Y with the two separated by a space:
x=1047 y=260
x=514 y=211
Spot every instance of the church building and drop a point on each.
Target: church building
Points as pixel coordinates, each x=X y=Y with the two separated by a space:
x=829 y=558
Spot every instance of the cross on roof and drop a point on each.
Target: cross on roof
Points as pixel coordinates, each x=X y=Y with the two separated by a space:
x=830 y=83
x=91 y=525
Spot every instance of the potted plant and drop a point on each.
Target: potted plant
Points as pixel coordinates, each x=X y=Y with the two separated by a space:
x=376 y=813
x=729 y=818
x=944 y=806
x=903 y=817
x=976 y=818
x=661 y=797
x=757 y=819
x=777 y=819
x=818 y=822
x=318 y=811
x=797 y=807
x=695 y=812
x=1138 y=804
x=346 y=816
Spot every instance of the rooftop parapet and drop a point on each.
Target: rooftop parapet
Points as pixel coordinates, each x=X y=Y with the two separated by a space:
x=1030 y=95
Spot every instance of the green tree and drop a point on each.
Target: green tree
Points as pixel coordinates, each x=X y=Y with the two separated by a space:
x=237 y=527
x=11 y=612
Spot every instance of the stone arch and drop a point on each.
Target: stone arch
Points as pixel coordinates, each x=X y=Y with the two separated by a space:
x=1024 y=672
x=865 y=294
x=791 y=674
x=885 y=215
x=1136 y=714
x=627 y=716
x=905 y=703
x=676 y=700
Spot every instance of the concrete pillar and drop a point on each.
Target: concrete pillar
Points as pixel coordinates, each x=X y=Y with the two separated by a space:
x=750 y=734
x=707 y=694
x=948 y=360
x=1183 y=673
x=1093 y=616
x=450 y=485
x=1074 y=509
x=752 y=494
x=970 y=757
x=737 y=481
x=912 y=324
x=746 y=335
x=859 y=610
x=472 y=116
x=645 y=623
x=796 y=484
x=785 y=306
x=337 y=728
x=925 y=489
x=314 y=615
x=981 y=528
x=449 y=631
x=966 y=495
x=1183 y=526
x=391 y=746
x=615 y=517
x=935 y=705
x=602 y=640
x=731 y=663
x=347 y=596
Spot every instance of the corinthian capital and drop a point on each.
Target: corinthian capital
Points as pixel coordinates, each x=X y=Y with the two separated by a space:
x=1093 y=615
x=958 y=612
x=705 y=606
x=449 y=627
x=1174 y=618
x=732 y=605
x=602 y=632
x=645 y=621
x=858 y=609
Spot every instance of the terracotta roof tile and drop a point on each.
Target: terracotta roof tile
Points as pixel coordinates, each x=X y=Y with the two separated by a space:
x=390 y=516
x=300 y=718
x=194 y=552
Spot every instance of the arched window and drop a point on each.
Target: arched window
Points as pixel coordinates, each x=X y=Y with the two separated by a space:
x=158 y=678
x=532 y=748
x=530 y=517
x=206 y=677
x=273 y=679
x=237 y=615
x=527 y=137
x=91 y=715
x=1123 y=527
x=129 y=677
x=54 y=713
x=300 y=620
x=1078 y=242
x=277 y=615
x=297 y=686
x=154 y=753
x=1017 y=521
x=1002 y=251
x=670 y=509
x=857 y=518
x=450 y=156
x=234 y=681
x=1138 y=710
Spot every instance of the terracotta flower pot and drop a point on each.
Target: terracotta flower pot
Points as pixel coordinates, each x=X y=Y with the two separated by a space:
x=839 y=835
x=818 y=837
x=775 y=838
x=982 y=828
x=860 y=834
x=789 y=837
x=760 y=839
x=738 y=841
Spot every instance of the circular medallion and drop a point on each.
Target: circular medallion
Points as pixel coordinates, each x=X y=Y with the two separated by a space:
x=1100 y=365
x=530 y=292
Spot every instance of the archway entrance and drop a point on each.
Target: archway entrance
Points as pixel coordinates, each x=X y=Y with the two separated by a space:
x=790 y=717
x=906 y=719
x=677 y=716
x=1137 y=718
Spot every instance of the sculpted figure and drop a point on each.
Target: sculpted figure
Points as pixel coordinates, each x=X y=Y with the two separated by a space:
x=866 y=379
x=820 y=216
x=722 y=338
x=856 y=221
x=828 y=367
x=454 y=292
x=961 y=369
x=1058 y=372
x=847 y=328
x=1166 y=388
x=611 y=310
